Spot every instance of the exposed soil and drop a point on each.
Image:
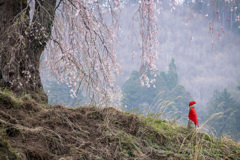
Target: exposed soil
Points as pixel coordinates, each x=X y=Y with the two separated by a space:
x=47 y=133
x=33 y=131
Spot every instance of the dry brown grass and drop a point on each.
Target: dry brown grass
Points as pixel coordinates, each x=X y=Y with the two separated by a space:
x=37 y=132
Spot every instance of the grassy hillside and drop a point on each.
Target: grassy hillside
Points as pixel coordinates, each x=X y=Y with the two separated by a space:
x=33 y=131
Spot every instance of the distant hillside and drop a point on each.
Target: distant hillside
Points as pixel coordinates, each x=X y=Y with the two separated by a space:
x=202 y=67
x=33 y=131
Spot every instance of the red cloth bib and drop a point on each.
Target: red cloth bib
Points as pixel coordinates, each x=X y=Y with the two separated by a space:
x=193 y=115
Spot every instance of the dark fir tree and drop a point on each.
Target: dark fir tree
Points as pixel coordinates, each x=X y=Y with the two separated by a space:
x=165 y=95
x=137 y=96
x=238 y=86
x=60 y=93
x=172 y=77
x=227 y=122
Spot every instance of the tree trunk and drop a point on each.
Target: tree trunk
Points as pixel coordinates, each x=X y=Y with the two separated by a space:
x=22 y=43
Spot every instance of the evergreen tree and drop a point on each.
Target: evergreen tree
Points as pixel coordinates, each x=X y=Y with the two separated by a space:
x=227 y=122
x=137 y=96
x=60 y=93
x=165 y=95
x=238 y=86
x=172 y=76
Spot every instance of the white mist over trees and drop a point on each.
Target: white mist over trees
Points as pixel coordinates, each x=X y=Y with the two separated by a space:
x=202 y=67
x=205 y=61
x=165 y=96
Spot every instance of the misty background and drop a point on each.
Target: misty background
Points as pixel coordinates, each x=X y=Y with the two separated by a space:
x=201 y=68
x=205 y=61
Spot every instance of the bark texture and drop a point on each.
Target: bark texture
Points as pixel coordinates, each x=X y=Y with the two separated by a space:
x=21 y=44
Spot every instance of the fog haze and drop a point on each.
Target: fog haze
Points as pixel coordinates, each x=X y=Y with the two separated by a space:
x=202 y=66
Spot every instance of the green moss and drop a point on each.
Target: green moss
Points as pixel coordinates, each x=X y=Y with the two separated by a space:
x=96 y=115
x=6 y=152
x=129 y=146
x=7 y=101
x=156 y=146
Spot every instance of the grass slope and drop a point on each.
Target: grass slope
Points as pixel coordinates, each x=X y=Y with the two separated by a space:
x=33 y=131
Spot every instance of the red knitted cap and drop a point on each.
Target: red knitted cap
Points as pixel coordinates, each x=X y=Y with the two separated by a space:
x=192 y=103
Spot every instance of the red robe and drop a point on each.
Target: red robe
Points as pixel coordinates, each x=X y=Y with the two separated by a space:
x=193 y=115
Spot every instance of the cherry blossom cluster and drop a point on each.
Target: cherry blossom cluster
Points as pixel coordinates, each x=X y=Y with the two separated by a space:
x=216 y=13
x=149 y=33
x=81 y=52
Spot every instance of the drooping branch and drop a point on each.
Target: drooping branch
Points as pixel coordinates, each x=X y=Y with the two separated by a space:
x=148 y=32
x=84 y=55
